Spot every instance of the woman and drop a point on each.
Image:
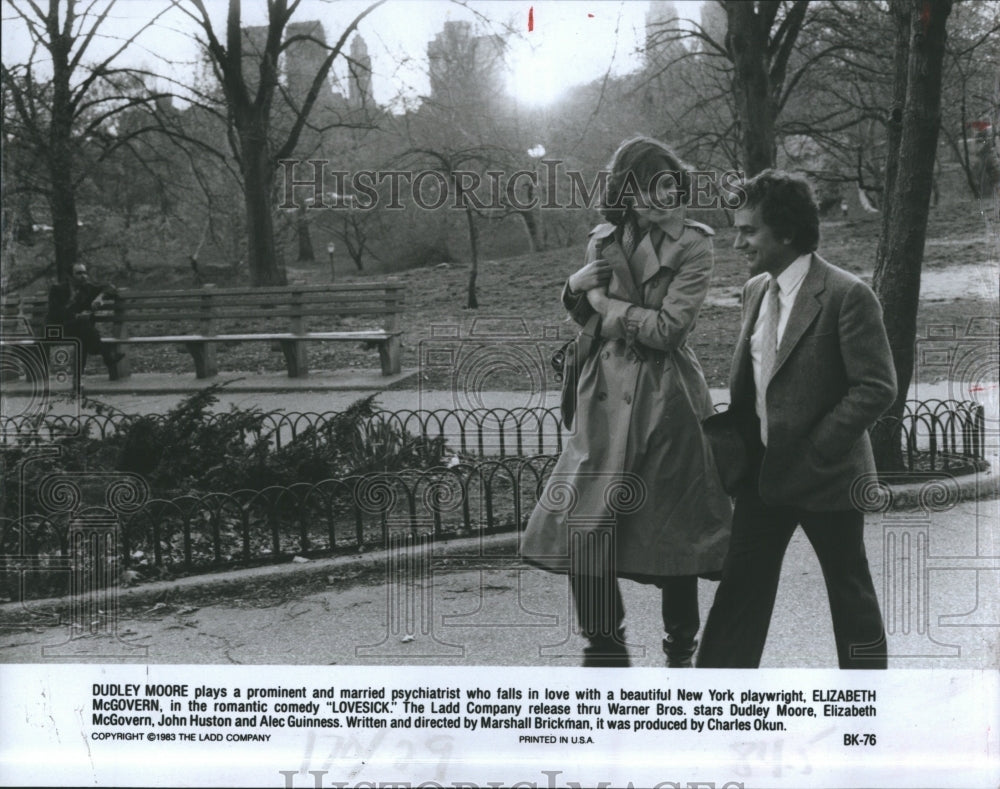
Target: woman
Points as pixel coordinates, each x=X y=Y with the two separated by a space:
x=635 y=493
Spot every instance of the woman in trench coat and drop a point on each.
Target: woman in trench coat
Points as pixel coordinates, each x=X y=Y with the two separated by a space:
x=635 y=493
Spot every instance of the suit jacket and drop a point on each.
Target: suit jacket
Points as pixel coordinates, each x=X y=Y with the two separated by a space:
x=833 y=377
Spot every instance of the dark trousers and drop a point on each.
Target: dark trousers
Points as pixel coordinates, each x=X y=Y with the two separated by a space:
x=84 y=330
x=601 y=613
x=741 y=613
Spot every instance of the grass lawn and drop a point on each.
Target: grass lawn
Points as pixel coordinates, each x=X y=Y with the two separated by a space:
x=519 y=297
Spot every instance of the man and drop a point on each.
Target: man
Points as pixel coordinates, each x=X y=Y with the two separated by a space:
x=811 y=373
x=73 y=307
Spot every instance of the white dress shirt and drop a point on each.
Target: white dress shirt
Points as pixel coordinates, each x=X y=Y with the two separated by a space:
x=789 y=282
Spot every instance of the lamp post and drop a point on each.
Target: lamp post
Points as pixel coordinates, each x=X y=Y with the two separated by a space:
x=330 y=249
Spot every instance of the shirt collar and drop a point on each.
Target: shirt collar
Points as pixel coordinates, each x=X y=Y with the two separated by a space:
x=791 y=277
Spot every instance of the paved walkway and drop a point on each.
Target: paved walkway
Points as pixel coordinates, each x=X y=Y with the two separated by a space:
x=157 y=393
x=941 y=609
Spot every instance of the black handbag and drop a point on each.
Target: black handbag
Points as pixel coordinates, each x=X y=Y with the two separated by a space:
x=729 y=449
x=568 y=363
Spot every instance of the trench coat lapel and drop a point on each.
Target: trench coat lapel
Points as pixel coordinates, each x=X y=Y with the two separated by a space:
x=646 y=259
x=622 y=283
x=672 y=227
x=804 y=311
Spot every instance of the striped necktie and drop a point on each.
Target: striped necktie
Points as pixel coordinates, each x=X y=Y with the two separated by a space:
x=769 y=339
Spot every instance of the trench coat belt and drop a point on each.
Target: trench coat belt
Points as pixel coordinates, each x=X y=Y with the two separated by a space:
x=635 y=351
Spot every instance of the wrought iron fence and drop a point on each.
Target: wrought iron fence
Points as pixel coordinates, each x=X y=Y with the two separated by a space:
x=487 y=494
x=217 y=530
x=932 y=433
x=938 y=434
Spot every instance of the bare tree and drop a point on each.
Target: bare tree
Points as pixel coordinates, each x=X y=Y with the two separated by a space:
x=915 y=120
x=56 y=118
x=454 y=166
x=250 y=101
x=971 y=61
x=760 y=39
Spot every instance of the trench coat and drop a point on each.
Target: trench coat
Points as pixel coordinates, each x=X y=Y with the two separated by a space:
x=636 y=481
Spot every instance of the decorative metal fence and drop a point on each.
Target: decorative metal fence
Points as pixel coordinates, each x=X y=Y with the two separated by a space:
x=493 y=490
x=932 y=433
x=217 y=530
x=938 y=434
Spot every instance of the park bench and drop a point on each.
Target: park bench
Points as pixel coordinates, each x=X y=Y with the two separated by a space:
x=200 y=320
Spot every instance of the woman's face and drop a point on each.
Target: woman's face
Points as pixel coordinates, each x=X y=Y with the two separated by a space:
x=656 y=202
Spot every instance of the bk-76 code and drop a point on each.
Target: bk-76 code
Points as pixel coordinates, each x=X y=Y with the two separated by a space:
x=859 y=739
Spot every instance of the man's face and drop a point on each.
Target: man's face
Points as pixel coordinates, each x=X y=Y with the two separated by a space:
x=763 y=250
x=79 y=274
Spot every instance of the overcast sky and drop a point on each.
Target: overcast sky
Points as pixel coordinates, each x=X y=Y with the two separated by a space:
x=571 y=43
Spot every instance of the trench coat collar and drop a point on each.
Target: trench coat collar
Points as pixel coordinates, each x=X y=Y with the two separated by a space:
x=621 y=276
x=645 y=252
x=672 y=227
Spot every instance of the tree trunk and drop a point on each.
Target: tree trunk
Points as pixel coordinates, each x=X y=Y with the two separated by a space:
x=62 y=203
x=909 y=182
x=747 y=41
x=900 y=12
x=258 y=190
x=355 y=239
x=472 y=302
x=531 y=226
x=306 y=254
x=62 y=195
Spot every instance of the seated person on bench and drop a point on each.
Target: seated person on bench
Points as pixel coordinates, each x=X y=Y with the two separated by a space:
x=72 y=306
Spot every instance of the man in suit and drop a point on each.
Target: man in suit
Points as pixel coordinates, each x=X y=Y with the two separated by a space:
x=811 y=373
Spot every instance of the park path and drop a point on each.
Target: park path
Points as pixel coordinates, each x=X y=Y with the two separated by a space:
x=157 y=393
x=513 y=615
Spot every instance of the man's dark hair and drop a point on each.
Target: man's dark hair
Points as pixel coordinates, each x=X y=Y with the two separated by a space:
x=787 y=206
x=637 y=162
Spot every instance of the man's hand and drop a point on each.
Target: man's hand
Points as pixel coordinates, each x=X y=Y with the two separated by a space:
x=596 y=274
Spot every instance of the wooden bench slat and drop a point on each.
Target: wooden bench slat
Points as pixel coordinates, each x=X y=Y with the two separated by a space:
x=262 y=298
x=222 y=316
x=208 y=309
x=277 y=290
x=357 y=336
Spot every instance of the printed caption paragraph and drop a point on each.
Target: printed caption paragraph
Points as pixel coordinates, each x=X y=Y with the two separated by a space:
x=209 y=713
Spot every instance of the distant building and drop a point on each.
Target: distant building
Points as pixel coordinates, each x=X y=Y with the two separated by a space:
x=662 y=43
x=254 y=42
x=714 y=22
x=359 y=88
x=303 y=60
x=465 y=67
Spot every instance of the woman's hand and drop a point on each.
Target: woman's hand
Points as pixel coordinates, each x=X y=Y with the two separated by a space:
x=598 y=298
x=596 y=274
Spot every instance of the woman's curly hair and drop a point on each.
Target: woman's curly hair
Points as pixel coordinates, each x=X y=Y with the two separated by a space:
x=638 y=161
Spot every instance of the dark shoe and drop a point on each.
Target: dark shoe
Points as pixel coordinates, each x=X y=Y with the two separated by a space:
x=679 y=651
x=606 y=653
